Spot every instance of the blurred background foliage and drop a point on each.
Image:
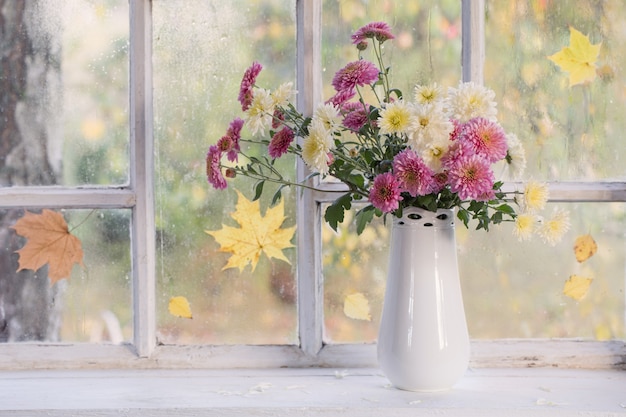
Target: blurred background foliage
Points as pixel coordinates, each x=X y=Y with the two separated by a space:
x=202 y=48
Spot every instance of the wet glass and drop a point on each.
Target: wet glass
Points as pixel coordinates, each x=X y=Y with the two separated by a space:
x=65 y=93
x=569 y=132
x=426 y=48
x=201 y=51
x=511 y=289
x=90 y=304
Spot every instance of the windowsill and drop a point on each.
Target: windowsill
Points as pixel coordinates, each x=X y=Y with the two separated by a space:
x=308 y=392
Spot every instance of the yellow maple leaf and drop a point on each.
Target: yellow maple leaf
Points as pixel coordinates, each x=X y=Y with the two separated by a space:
x=49 y=242
x=256 y=235
x=577 y=287
x=356 y=306
x=585 y=247
x=578 y=59
x=179 y=307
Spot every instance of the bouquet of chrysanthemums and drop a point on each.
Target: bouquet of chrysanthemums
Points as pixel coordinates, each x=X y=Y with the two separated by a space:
x=437 y=149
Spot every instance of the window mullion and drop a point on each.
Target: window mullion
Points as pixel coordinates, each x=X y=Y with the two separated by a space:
x=473 y=29
x=310 y=288
x=142 y=177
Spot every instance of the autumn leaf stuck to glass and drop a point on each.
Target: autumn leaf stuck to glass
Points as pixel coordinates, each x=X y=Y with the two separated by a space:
x=356 y=306
x=585 y=247
x=179 y=307
x=257 y=234
x=49 y=242
x=578 y=59
x=577 y=287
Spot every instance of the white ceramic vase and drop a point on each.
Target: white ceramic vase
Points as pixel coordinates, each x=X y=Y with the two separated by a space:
x=423 y=344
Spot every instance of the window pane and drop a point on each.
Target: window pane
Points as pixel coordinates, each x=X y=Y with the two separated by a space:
x=426 y=48
x=511 y=289
x=515 y=289
x=64 y=107
x=354 y=268
x=201 y=51
x=569 y=132
x=92 y=305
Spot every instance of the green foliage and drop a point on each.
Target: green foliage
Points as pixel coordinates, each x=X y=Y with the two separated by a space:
x=335 y=212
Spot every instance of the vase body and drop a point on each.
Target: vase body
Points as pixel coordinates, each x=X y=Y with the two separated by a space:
x=423 y=343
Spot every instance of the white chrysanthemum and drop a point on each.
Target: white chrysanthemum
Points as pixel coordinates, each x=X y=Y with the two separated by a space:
x=328 y=115
x=316 y=146
x=552 y=230
x=535 y=196
x=259 y=114
x=516 y=156
x=283 y=94
x=432 y=151
x=395 y=118
x=429 y=94
x=524 y=226
x=429 y=123
x=471 y=100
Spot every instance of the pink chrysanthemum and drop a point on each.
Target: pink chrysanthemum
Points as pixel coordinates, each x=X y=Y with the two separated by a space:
x=234 y=133
x=341 y=97
x=378 y=30
x=487 y=138
x=471 y=178
x=278 y=119
x=247 y=82
x=458 y=150
x=280 y=142
x=225 y=143
x=385 y=193
x=357 y=73
x=441 y=180
x=213 y=169
x=414 y=176
x=458 y=129
x=355 y=115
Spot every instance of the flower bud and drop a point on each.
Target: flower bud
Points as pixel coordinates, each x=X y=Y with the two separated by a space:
x=361 y=46
x=230 y=173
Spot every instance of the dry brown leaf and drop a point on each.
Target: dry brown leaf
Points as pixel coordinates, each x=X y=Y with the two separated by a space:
x=49 y=242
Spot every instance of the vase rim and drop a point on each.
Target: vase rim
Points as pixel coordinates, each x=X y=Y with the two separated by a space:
x=418 y=217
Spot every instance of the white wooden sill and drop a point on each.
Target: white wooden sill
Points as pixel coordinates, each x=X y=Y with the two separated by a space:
x=305 y=392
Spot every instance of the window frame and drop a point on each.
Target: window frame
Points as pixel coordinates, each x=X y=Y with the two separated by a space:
x=138 y=196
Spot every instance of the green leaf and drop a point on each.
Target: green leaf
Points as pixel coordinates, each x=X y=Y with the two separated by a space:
x=363 y=218
x=463 y=215
x=505 y=208
x=397 y=92
x=278 y=194
x=251 y=169
x=358 y=180
x=311 y=175
x=258 y=190
x=335 y=212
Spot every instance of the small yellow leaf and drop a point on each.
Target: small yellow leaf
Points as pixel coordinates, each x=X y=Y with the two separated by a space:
x=585 y=247
x=179 y=307
x=257 y=234
x=603 y=332
x=577 y=287
x=578 y=59
x=357 y=307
